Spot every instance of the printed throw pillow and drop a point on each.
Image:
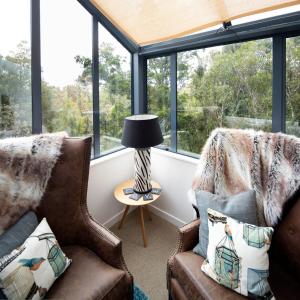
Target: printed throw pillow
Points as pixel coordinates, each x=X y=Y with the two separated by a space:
x=30 y=270
x=237 y=255
x=241 y=206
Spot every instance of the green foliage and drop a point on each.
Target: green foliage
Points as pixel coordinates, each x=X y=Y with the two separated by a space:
x=293 y=85
x=67 y=109
x=70 y=108
x=228 y=86
x=15 y=92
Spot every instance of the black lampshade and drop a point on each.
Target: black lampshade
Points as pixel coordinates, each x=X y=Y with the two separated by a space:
x=141 y=131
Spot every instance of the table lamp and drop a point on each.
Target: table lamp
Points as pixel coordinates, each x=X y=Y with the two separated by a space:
x=142 y=132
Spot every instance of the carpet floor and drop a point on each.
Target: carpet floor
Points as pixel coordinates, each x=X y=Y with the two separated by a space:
x=148 y=265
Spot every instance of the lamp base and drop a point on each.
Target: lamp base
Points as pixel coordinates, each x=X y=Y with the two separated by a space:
x=142 y=171
x=142 y=192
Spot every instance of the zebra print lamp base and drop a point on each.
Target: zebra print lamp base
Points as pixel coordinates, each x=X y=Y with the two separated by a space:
x=142 y=171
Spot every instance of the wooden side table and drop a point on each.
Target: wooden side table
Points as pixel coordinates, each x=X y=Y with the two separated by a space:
x=141 y=203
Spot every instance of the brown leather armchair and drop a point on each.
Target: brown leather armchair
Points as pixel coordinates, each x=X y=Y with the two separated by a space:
x=186 y=281
x=98 y=270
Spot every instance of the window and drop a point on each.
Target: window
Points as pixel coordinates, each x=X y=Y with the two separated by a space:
x=158 y=94
x=224 y=86
x=114 y=90
x=15 y=68
x=66 y=50
x=221 y=86
x=293 y=86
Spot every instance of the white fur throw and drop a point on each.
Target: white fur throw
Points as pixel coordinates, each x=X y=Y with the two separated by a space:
x=25 y=167
x=235 y=160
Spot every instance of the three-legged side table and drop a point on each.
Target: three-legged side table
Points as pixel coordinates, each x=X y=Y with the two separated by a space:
x=141 y=204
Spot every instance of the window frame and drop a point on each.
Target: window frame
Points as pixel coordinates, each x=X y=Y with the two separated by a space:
x=36 y=77
x=278 y=28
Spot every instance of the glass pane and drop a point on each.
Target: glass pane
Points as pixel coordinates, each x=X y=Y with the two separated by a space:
x=224 y=86
x=115 y=90
x=66 y=50
x=158 y=89
x=293 y=86
x=15 y=68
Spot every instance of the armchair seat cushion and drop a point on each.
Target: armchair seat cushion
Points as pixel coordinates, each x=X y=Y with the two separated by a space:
x=88 y=277
x=187 y=271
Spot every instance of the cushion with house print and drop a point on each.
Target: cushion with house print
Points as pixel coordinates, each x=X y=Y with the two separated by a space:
x=237 y=255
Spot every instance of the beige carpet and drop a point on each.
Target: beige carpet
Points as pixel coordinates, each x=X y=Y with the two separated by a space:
x=148 y=265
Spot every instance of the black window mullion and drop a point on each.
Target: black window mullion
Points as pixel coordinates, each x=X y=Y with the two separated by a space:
x=139 y=69
x=96 y=94
x=279 y=83
x=145 y=85
x=36 y=90
x=132 y=84
x=173 y=98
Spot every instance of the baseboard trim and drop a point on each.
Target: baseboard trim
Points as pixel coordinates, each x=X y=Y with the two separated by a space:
x=166 y=216
x=157 y=211
x=117 y=217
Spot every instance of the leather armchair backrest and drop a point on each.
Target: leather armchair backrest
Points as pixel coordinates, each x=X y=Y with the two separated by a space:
x=65 y=195
x=285 y=246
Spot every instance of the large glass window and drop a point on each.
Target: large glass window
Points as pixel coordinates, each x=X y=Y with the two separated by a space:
x=158 y=89
x=293 y=86
x=224 y=86
x=15 y=68
x=66 y=50
x=115 y=90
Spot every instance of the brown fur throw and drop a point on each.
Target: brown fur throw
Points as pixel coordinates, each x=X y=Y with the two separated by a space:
x=25 y=168
x=235 y=160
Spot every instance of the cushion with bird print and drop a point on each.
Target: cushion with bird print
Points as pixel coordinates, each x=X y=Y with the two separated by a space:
x=237 y=255
x=30 y=270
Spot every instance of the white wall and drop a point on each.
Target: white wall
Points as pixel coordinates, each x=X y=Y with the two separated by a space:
x=105 y=174
x=174 y=173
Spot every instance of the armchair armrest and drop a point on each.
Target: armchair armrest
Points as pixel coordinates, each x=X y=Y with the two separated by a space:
x=196 y=210
x=102 y=242
x=187 y=240
x=188 y=236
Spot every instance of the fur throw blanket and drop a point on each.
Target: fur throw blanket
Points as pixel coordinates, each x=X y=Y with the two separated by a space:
x=235 y=160
x=25 y=168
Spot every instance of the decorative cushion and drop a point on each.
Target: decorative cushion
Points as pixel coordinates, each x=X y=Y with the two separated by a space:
x=29 y=271
x=237 y=255
x=18 y=233
x=241 y=207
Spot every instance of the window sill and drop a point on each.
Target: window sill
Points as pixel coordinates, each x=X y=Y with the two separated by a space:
x=110 y=156
x=155 y=151
x=176 y=156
